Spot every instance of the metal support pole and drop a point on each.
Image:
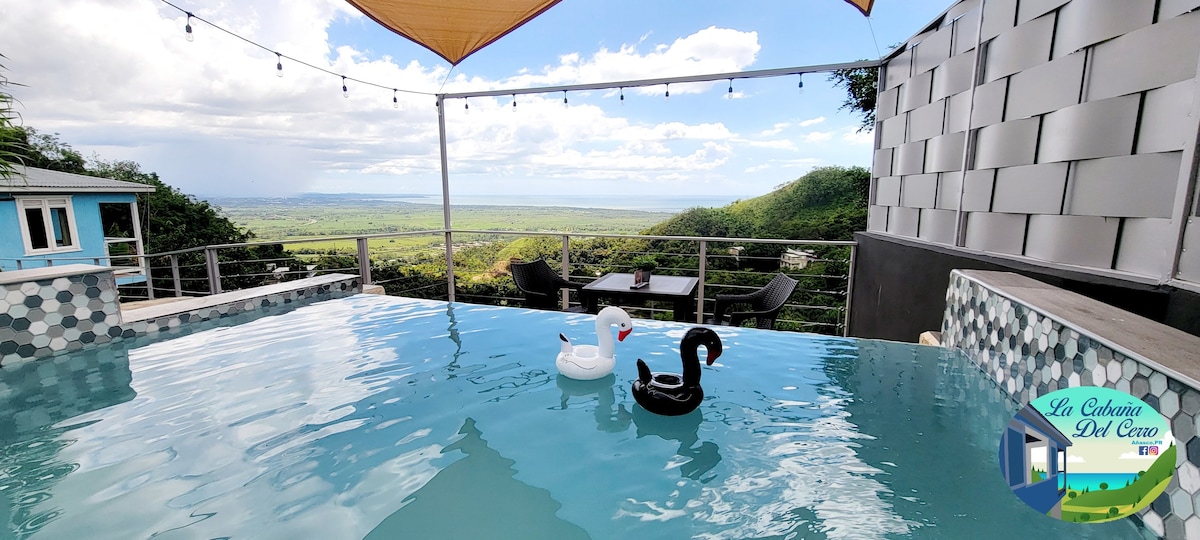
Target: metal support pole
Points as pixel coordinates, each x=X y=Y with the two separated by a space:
x=214 y=270
x=364 y=260
x=175 y=275
x=960 y=217
x=441 y=108
x=566 y=270
x=149 y=278
x=849 y=290
x=700 y=282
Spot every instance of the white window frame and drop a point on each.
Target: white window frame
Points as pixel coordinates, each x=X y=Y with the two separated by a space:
x=46 y=204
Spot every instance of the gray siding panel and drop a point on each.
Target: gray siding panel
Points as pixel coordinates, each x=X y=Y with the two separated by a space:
x=892 y=131
x=926 y=122
x=1032 y=9
x=915 y=92
x=1141 y=185
x=886 y=104
x=1148 y=58
x=997 y=233
x=944 y=154
x=938 y=226
x=883 y=162
x=1021 y=48
x=1081 y=24
x=977 y=197
x=957 y=113
x=877 y=218
x=989 y=103
x=887 y=191
x=1006 y=144
x=1146 y=247
x=1081 y=240
x=910 y=158
x=1045 y=88
x=954 y=76
x=897 y=70
x=966 y=31
x=1172 y=8
x=904 y=221
x=998 y=16
x=1032 y=189
x=1165 y=121
x=932 y=51
x=1090 y=130
x=920 y=191
x=948 y=185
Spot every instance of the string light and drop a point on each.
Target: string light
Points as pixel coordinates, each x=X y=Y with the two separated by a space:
x=278 y=65
x=188 y=28
x=514 y=109
x=668 y=98
x=466 y=106
x=622 y=96
x=395 y=101
x=564 y=99
x=801 y=83
x=345 y=91
x=730 y=89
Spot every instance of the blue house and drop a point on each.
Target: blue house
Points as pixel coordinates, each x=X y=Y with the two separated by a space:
x=1028 y=432
x=50 y=217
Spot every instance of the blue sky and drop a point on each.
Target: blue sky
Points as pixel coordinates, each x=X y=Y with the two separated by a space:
x=117 y=79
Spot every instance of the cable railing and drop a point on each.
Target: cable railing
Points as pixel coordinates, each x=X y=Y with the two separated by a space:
x=415 y=263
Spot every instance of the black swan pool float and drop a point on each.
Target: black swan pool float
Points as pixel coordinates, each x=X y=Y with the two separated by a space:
x=669 y=394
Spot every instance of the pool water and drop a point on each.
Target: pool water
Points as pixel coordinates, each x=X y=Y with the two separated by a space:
x=382 y=417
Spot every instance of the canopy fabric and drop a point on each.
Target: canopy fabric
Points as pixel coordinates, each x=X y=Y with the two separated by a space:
x=863 y=5
x=452 y=29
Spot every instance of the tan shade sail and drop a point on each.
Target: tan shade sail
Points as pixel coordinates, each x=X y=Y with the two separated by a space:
x=452 y=29
x=863 y=5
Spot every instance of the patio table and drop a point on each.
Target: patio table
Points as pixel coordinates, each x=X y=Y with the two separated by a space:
x=676 y=289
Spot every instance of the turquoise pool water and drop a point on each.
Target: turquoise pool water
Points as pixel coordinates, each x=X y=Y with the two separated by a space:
x=383 y=417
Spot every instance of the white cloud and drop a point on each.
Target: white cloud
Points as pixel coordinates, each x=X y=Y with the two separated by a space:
x=812 y=121
x=775 y=130
x=853 y=136
x=818 y=136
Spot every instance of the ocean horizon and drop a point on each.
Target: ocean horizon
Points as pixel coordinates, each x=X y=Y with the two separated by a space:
x=1092 y=481
x=647 y=203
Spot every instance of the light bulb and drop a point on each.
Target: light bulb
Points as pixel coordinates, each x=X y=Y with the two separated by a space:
x=188 y=29
x=395 y=101
x=801 y=87
x=564 y=99
x=466 y=106
x=668 y=97
x=514 y=109
x=345 y=91
x=278 y=65
x=622 y=97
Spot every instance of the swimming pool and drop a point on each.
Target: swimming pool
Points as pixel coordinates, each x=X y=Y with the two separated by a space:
x=384 y=417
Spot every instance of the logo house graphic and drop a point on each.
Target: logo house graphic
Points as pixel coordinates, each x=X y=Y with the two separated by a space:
x=1087 y=454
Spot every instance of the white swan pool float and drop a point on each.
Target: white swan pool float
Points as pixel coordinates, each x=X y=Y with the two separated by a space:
x=588 y=362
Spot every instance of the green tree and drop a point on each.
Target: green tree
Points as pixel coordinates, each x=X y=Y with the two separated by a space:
x=861 y=87
x=12 y=149
x=1103 y=486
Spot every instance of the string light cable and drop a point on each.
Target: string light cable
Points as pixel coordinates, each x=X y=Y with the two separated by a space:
x=280 y=56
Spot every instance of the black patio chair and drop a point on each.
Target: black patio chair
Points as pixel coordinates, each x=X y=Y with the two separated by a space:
x=541 y=285
x=764 y=304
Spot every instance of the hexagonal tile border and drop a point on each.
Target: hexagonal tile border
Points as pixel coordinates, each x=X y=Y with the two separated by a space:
x=999 y=334
x=51 y=317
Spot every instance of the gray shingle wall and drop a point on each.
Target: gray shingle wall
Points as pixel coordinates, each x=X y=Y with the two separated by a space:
x=1081 y=118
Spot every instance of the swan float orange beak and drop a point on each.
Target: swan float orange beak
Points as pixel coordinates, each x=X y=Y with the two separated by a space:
x=623 y=333
x=714 y=351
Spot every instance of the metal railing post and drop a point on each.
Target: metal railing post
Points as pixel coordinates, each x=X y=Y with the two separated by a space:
x=149 y=278
x=449 y=268
x=364 y=260
x=700 y=282
x=175 y=275
x=214 y=270
x=849 y=290
x=96 y=261
x=19 y=265
x=566 y=269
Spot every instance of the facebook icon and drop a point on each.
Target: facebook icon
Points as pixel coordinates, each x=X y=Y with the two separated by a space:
x=1143 y=450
